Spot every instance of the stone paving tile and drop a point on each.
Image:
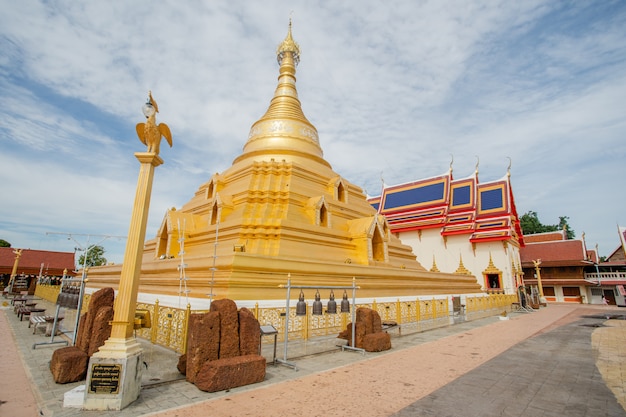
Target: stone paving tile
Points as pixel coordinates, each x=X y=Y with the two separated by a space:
x=556 y=376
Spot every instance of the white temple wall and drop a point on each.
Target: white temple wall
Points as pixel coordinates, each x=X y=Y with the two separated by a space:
x=447 y=255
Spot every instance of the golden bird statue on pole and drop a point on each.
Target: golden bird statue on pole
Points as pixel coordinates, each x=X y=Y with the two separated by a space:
x=149 y=133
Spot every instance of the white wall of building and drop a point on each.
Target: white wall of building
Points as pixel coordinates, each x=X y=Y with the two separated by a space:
x=448 y=254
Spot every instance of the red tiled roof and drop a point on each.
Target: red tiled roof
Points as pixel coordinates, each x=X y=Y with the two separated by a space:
x=30 y=262
x=555 y=253
x=592 y=255
x=549 y=282
x=545 y=237
x=613 y=263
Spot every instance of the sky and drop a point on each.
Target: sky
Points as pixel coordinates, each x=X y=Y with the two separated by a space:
x=397 y=91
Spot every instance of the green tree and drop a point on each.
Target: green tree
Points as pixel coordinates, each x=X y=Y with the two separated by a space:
x=563 y=224
x=4 y=244
x=531 y=224
x=95 y=257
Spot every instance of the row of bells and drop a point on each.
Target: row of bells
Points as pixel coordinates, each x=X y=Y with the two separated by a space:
x=68 y=297
x=331 y=307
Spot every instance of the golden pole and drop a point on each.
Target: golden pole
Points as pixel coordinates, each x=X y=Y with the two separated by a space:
x=18 y=254
x=126 y=300
x=120 y=358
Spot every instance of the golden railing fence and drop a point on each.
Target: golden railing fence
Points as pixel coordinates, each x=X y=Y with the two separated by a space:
x=169 y=324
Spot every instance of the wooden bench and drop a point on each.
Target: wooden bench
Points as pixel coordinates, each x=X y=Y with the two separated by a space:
x=35 y=321
x=26 y=311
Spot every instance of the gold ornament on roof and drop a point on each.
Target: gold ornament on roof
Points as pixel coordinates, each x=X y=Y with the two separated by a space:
x=434 y=267
x=491 y=268
x=288 y=45
x=149 y=133
x=462 y=270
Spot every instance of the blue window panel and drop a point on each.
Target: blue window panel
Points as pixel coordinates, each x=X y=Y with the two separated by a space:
x=461 y=196
x=414 y=196
x=491 y=199
x=376 y=205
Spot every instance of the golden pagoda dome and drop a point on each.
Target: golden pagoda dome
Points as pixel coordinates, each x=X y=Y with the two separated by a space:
x=284 y=132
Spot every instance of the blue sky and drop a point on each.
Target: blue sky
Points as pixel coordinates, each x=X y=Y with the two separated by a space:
x=394 y=89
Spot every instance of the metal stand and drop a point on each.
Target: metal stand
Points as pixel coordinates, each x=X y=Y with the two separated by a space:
x=269 y=330
x=284 y=361
x=54 y=332
x=64 y=283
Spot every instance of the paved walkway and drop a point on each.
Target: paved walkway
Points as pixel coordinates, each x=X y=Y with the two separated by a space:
x=554 y=362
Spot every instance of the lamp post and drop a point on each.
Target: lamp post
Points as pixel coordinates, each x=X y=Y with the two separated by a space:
x=18 y=255
x=542 y=299
x=114 y=373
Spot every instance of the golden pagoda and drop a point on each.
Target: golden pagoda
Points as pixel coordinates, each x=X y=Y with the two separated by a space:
x=280 y=210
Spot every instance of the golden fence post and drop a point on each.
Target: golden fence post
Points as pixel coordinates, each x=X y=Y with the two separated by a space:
x=155 y=322
x=418 y=310
x=374 y=305
x=305 y=325
x=434 y=308
x=256 y=310
x=398 y=312
x=186 y=328
x=447 y=309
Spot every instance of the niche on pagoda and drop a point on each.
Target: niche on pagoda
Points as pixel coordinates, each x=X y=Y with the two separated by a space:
x=221 y=207
x=370 y=236
x=176 y=225
x=317 y=210
x=338 y=189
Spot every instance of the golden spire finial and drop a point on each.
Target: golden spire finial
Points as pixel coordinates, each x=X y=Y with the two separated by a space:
x=288 y=45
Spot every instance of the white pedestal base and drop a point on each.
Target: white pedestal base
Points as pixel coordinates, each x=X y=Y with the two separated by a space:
x=74 y=398
x=113 y=383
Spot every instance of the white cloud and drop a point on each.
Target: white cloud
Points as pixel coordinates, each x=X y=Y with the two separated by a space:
x=392 y=88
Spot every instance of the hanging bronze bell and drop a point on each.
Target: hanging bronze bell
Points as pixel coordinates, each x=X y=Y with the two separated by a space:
x=345 y=304
x=62 y=298
x=317 y=304
x=301 y=306
x=331 y=308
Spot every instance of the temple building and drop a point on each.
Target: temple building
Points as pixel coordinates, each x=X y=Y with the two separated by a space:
x=572 y=273
x=459 y=226
x=562 y=265
x=31 y=265
x=280 y=211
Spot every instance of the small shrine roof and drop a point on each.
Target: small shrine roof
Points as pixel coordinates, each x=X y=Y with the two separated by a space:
x=545 y=237
x=31 y=260
x=555 y=253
